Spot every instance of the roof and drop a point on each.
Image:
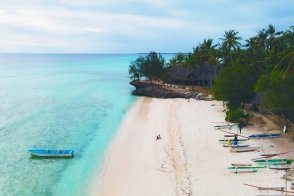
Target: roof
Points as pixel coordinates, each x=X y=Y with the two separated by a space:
x=202 y=72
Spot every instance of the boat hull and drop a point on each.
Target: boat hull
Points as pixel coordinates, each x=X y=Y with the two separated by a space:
x=236 y=146
x=52 y=153
x=239 y=140
x=245 y=149
x=259 y=136
x=274 y=161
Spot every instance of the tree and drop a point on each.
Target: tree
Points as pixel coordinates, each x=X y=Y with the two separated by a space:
x=235 y=84
x=153 y=66
x=278 y=95
x=286 y=56
x=135 y=68
x=207 y=52
x=150 y=67
x=230 y=43
x=272 y=35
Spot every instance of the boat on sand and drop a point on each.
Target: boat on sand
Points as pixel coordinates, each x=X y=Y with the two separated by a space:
x=273 y=161
x=260 y=136
x=236 y=146
x=245 y=149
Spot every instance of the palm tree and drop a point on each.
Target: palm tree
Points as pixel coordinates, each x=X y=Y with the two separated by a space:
x=271 y=36
x=286 y=61
x=207 y=52
x=256 y=49
x=230 y=43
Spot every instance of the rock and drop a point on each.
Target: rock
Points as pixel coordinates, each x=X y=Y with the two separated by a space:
x=154 y=90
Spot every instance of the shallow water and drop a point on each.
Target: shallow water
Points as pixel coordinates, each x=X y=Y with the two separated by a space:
x=58 y=102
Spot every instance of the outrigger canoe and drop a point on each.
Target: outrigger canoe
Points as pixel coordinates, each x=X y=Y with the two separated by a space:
x=244 y=168
x=52 y=153
x=258 y=136
x=238 y=164
x=280 y=167
x=245 y=149
x=273 y=161
x=236 y=146
x=229 y=135
x=239 y=140
x=227 y=125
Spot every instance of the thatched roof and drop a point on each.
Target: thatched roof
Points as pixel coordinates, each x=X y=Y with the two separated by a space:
x=203 y=72
x=179 y=72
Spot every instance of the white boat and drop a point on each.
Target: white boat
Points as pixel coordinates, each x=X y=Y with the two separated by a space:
x=245 y=149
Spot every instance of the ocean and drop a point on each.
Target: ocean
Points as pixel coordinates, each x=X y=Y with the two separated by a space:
x=59 y=101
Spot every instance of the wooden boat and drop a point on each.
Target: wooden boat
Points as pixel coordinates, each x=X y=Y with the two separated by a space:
x=280 y=167
x=244 y=170
x=279 y=189
x=239 y=140
x=234 y=134
x=236 y=146
x=245 y=149
x=246 y=167
x=238 y=164
x=273 y=161
x=259 y=136
x=52 y=153
x=226 y=125
x=229 y=135
x=269 y=155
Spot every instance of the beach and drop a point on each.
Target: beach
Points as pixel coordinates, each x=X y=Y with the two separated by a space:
x=188 y=159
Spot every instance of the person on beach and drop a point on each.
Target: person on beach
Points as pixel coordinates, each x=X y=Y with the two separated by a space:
x=235 y=140
x=229 y=142
x=240 y=125
x=158 y=137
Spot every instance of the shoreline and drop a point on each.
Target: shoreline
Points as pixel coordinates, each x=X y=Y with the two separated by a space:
x=188 y=160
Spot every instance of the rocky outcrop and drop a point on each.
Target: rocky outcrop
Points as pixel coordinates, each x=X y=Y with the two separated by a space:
x=154 y=90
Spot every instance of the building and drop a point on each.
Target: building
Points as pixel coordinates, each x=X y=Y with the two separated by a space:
x=203 y=75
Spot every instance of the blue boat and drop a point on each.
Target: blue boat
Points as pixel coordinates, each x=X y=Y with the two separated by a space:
x=270 y=135
x=52 y=153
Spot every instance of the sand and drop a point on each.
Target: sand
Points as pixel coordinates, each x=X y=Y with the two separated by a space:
x=188 y=160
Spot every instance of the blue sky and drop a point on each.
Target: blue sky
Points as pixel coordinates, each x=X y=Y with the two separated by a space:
x=128 y=26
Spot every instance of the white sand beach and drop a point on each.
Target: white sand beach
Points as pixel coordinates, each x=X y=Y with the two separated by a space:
x=188 y=160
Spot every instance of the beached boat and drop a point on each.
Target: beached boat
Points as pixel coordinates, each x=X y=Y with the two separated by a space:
x=260 y=136
x=229 y=135
x=246 y=167
x=280 y=167
x=239 y=140
x=245 y=149
x=279 y=189
x=238 y=164
x=227 y=125
x=244 y=170
x=52 y=153
x=236 y=146
x=273 y=161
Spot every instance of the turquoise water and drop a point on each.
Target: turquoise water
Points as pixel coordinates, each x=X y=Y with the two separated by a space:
x=58 y=102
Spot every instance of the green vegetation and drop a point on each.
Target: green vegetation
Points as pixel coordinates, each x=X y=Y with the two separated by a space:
x=150 y=67
x=263 y=66
x=235 y=114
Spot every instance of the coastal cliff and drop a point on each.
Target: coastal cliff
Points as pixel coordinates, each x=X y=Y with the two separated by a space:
x=158 y=91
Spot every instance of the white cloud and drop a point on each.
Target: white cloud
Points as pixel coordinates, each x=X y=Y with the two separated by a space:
x=129 y=25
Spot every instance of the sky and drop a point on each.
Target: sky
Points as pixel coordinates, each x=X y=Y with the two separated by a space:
x=131 y=26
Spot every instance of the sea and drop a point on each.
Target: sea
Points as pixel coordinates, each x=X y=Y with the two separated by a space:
x=59 y=101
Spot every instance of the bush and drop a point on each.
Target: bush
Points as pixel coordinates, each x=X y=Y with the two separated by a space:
x=236 y=115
